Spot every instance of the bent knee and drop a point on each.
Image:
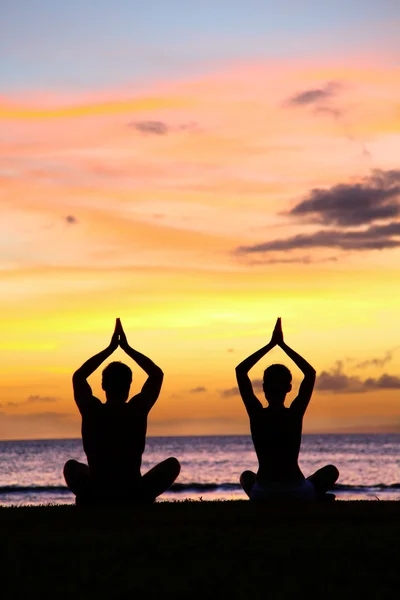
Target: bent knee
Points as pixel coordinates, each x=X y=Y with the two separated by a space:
x=333 y=471
x=174 y=464
x=246 y=475
x=70 y=465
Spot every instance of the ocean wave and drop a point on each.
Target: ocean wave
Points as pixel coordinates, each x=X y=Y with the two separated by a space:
x=186 y=487
x=371 y=486
x=204 y=487
x=209 y=487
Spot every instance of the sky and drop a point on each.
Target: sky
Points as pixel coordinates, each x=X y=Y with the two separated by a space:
x=199 y=169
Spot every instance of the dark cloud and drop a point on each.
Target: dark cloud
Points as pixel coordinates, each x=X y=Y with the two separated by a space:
x=353 y=204
x=355 y=210
x=373 y=238
x=198 y=390
x=151 y=127
x=337 y=381
x=71 y=220
x=312 y=96
x=384 y=382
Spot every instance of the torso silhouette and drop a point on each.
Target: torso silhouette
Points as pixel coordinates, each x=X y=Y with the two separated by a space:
x=276 y=434
x=114 y=439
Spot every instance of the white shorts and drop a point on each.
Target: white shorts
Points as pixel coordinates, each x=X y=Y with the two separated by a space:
x=276 y=490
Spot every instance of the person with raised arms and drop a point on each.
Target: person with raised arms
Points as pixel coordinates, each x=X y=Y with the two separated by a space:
x=276 y=431
x=114 y=432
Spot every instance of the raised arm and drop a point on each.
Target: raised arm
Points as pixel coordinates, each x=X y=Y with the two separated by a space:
x=152 y=386
x=249 y=398
x=300 y=403
x=82 y=390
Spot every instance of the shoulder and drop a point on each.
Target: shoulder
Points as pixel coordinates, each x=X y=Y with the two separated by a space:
x=92 y=404
x=137 y=403
x=258 y=414
x=295 y=410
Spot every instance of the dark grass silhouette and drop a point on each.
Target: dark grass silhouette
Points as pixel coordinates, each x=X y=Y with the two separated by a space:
x=231 y=549
x=114 y=432
x=276 y=431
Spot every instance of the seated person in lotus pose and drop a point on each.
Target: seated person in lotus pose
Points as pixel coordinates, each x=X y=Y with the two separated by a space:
x=114 y=432
x=276 y=430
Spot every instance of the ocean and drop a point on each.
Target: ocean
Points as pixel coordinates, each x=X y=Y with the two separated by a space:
x=369 y=465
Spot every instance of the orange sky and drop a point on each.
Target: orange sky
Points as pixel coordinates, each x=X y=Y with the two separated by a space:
x=130 y=204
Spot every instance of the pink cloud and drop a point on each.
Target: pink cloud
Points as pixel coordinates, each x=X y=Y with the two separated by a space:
x=248 y=155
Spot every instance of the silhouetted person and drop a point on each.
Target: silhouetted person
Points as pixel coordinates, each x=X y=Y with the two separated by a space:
x=276 y=430
x=114 y=432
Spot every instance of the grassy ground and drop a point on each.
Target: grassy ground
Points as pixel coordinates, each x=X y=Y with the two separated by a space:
x=191 y=549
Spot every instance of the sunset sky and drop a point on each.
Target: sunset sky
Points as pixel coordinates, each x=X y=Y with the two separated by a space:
x=199 y=169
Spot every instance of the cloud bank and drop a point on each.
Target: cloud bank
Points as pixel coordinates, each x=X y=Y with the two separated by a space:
x=357 y=213
x=337 y=381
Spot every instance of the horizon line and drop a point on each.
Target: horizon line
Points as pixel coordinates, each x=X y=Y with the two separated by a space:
x=208 y=435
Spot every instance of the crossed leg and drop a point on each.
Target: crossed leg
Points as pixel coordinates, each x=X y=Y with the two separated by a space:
x=324 y=479
x=160 y=478
x=152 y=484
x=77 y=477
x=247 y=480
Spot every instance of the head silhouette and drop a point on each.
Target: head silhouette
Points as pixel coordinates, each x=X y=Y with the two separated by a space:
x=116 y=382
x=277 y=383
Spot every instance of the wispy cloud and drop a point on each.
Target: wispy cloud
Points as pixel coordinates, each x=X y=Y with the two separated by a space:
x=198 y=390
x=161 y=128
x=312 y=96
x=234 y=391
x=229 y=392
x=34 y=399
x=373 y=238
x=301 y=260
x=151 y=127
x=320 y=100
x=376 y=362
